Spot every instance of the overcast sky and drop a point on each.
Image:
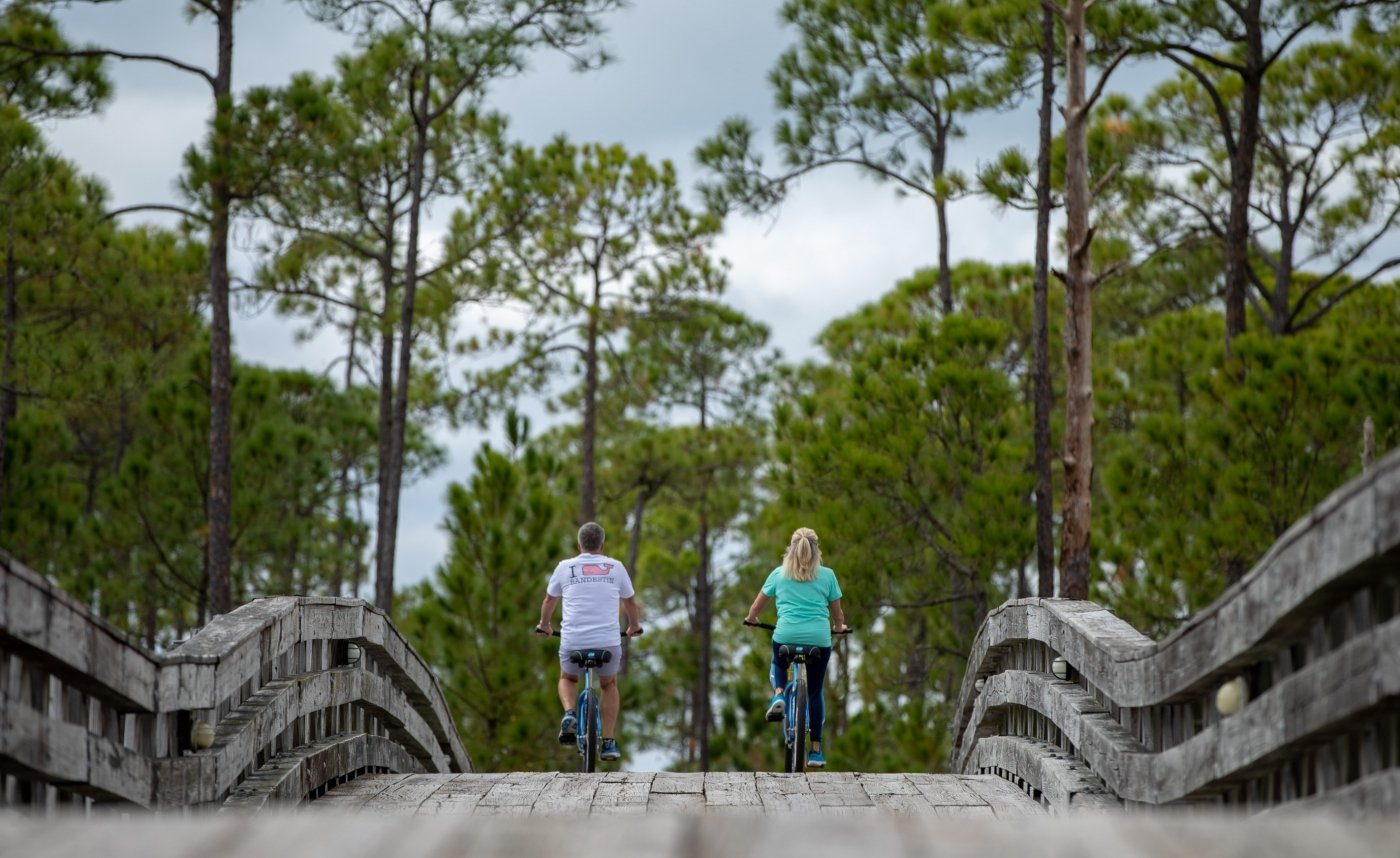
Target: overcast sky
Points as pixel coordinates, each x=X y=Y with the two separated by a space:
x=682 y=67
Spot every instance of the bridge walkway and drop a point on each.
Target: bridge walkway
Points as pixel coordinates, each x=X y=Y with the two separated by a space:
x=694 y=835
x=554 y=793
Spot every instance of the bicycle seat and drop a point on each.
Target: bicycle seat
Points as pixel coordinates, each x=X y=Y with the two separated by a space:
x=590 y=657
x=796 y=652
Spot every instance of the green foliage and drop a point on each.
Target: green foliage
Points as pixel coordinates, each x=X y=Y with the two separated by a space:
x=679 y=445
x=880 y=84
x=35 y=77
x=508 y=525
x=1212 y=459
x=105 y=417
x=908 y=455
x=290 y=429
x=1324 y=187
x=603 y=241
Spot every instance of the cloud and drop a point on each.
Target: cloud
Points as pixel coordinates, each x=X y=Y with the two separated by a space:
x=841 y=242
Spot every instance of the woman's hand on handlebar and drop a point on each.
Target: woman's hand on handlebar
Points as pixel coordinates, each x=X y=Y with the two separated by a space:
x=843 y=629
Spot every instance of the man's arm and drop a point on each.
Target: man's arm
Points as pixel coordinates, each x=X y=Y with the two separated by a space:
x=547 y=614
x=634 y=615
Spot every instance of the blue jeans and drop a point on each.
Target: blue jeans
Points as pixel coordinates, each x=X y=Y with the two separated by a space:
x=817 y=657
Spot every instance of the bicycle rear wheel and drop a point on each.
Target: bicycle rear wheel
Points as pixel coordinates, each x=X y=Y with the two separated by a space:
x=588 y=732
x=785 y=739
x=799 y=723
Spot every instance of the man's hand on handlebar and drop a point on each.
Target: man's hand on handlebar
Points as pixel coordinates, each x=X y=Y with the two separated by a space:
x=545 y=630
x=633 y=631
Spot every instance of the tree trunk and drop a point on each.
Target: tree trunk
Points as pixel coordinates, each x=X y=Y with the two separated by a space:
x=342 y=497
x=8 y=400
x=634 y=546
x=940 y=206
x=384 y=578
x=1079 y=390
x=587 y=483
x=1040 y=326
x=1282 y=309
x=634 y=539
x=1242 y=174
x=150 y=615
x=359 y=571
x=386 y=416
x=704 y=621
x=220 y=361
x=289 y=571
x=704 y=606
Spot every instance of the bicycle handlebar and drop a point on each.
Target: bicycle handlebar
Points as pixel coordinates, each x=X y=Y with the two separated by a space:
x=558 y=634
x=770 y=627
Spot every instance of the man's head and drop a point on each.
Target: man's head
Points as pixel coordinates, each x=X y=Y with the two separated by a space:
x=590 y=537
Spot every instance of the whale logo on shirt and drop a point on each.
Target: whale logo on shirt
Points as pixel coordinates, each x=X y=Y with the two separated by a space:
x=597 y=568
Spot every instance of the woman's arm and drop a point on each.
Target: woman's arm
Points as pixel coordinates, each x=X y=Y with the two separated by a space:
x=759 y=604
x=838 y=616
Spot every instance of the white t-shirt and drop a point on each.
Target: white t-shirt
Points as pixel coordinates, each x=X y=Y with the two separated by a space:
x=591 y=585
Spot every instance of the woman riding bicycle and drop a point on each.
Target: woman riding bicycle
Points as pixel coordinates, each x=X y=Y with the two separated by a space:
x=809 y=601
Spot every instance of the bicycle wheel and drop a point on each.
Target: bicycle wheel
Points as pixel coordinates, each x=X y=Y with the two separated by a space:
x=799 y=723
x=588 y=732
x=785 y=729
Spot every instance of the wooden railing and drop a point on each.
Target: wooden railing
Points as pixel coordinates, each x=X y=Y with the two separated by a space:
x=278 y=700
x=1285 y=690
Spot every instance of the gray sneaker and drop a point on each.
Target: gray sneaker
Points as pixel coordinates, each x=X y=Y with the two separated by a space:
x=568 y=729
x=609 y=751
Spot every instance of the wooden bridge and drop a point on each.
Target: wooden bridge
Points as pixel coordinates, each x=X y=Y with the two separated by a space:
x=1283 y=697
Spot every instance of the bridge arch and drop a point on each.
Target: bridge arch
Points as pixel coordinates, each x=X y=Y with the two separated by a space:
x=1311 y=634
x=280 y=699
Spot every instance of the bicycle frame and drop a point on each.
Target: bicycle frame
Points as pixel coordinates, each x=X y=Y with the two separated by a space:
x=797 y=714
x=590 y=703
x=590 y=719
x=796 y=711
x=590 y=707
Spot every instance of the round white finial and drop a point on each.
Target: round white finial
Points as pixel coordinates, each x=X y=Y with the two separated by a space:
x=1232 y=696
x=201 y=735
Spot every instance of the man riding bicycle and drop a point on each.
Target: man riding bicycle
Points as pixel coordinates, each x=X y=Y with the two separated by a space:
x=592 y=585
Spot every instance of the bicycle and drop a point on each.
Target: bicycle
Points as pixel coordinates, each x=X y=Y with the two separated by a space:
x=796 y=726
x=590 y=709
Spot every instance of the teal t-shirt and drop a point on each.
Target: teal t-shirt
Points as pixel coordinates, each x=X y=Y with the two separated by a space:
x=804 y=615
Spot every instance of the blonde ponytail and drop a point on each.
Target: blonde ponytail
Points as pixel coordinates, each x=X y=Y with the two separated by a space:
x=802 y=557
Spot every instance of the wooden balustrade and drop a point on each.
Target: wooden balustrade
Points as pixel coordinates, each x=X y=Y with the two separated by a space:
x=278 y=700
x=1311 y=636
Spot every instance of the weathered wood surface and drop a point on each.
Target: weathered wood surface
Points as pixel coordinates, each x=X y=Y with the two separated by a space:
x=1327 y=566
x=86 y=711
x=741 y=793
x=695 y=836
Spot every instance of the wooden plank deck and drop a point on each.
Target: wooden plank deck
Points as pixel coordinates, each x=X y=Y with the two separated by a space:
x=558 y=793
x=359 y=835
